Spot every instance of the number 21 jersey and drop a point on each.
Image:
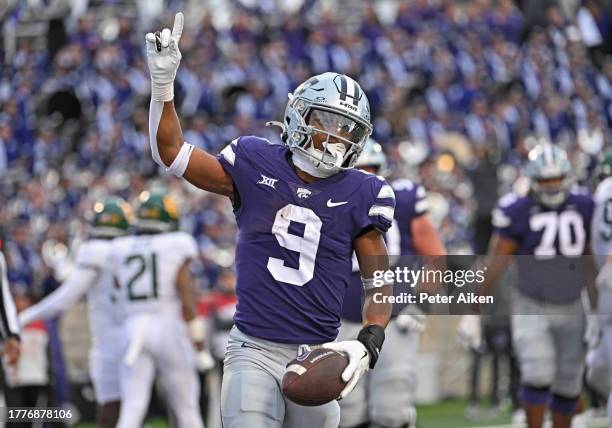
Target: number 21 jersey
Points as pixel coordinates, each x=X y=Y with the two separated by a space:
x=146 y=268
x=295 y=240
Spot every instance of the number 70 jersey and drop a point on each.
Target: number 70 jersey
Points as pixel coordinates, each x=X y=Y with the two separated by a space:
x=545 y=232
x=295 y=241
x=550 y=243
x=146 y=268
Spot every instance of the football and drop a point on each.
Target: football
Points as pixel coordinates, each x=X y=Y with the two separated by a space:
x=314 y=378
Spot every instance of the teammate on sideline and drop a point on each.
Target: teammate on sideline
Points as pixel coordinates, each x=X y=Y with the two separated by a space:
x=152 y=269
x=385 y=396
x=301 y=210
x=92 y=276
x=9 y=326
x=548 y=321
x=601 y=231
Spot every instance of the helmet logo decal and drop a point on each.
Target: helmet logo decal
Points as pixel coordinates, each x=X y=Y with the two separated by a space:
x=170 y=206
x=344 y=89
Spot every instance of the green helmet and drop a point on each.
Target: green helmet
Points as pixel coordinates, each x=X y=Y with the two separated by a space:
x=156 y=211
x=111 y=217
x=604 y=167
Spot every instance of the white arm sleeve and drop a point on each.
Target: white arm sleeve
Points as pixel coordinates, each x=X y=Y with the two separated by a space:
x=62 y=298
x=179 y=164
x=8 y=313
x=155 y=112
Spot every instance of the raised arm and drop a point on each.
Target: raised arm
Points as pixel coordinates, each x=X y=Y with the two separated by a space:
x=168 y=147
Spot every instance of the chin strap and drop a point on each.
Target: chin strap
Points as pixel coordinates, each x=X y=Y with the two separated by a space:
x=303 y=162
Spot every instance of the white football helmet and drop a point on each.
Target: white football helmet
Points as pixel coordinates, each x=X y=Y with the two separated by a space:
x=334 y=109
x=374 y=156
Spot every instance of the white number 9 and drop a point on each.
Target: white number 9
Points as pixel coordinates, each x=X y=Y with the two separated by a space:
x=307 y=245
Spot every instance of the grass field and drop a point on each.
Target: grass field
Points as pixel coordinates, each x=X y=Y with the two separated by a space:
x=450 y=414
x=446 y=414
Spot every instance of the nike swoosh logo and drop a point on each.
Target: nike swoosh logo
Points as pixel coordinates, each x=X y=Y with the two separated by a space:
x=335 y=204
x=248 y=345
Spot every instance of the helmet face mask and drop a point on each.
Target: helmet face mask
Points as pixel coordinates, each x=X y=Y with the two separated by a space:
x=551 y=191
x=321 y=127
x=550 y=173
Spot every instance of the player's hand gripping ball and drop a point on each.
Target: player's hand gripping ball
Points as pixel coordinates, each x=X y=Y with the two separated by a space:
x=315 y=377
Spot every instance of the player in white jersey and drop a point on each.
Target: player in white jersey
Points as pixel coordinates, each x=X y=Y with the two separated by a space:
x=152 y=269
x=91 y=276
x=600 y=354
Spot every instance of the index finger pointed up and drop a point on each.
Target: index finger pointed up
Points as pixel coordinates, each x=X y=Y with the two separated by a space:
x=177 y=28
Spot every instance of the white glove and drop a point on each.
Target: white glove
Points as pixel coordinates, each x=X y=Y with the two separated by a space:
x=411 y=318
x=604 y=278
x=163 y=58
x=359 y=362
x=204 y=361
x=592 y=334
x=469 y=332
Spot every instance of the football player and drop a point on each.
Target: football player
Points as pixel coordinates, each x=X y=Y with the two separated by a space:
x=301 y=210
x=152 y=270
x=386 y=395
x=92 y=277
x=9 y=326
x=549 y=230
x=601 y=229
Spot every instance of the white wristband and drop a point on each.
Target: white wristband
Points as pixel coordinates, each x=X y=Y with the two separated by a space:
x=197 y=331
x=179 y=165
x=371 y=283
x=163 y=92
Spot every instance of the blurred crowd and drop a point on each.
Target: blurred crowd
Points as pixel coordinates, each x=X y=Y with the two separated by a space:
x=457 y=91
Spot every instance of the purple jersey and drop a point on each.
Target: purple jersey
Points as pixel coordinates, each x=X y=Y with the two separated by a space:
x=545 y=233
x=410 y=203
x=295 y=240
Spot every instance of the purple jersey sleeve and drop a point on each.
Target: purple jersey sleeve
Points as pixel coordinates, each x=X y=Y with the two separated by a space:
x=378 y=205
x=410 y=203
x=237 y=159
x=509 y=216
x=411 y=200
